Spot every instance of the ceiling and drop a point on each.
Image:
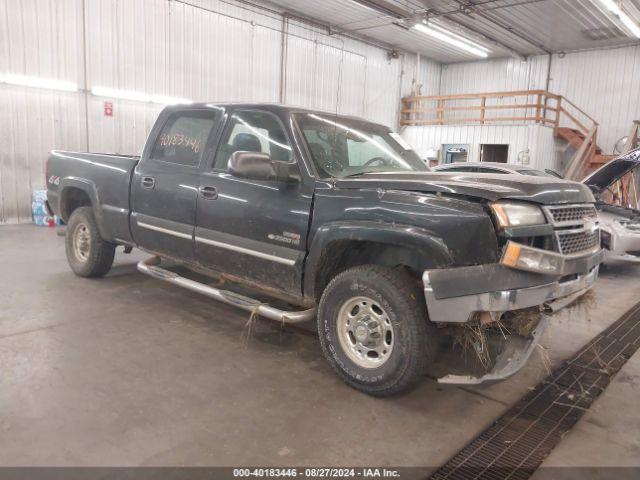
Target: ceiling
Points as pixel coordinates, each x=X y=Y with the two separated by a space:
x=506 y=27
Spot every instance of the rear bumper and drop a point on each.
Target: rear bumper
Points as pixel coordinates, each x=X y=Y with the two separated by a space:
x=455 y=298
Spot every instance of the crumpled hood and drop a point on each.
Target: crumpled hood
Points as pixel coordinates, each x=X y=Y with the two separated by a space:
x=612 y=171
x=492 y=187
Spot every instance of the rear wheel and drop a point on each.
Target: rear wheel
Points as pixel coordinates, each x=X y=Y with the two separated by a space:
x=374 y=329
x=88 y=254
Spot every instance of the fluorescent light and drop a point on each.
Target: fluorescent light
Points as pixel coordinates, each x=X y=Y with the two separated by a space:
x=452 y=39
x=614 y=8
x=38 y=82
x=137 y=96
x=459 y=37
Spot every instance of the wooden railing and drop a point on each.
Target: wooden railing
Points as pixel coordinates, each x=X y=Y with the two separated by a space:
x=516 y=107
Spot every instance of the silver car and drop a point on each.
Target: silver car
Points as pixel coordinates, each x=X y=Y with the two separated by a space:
x=494 y=167
x=619 y=222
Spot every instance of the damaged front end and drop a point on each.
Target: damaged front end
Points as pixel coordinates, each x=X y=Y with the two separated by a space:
x=499 y=311
x=498 y=348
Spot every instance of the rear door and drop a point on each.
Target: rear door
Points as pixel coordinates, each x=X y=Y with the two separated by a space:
x=254 y=229
x=165 y=183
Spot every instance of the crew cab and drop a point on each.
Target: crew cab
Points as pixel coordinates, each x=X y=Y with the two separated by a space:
x=336 y=219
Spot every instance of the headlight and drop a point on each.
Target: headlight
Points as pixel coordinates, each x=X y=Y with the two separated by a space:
x=516 y=214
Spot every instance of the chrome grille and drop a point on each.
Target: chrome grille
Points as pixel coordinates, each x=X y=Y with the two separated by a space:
x=571 y=214
x=575 y=228
x=572 y=242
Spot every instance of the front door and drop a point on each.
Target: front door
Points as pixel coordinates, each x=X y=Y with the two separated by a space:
x=254 y=229
x=165 y=182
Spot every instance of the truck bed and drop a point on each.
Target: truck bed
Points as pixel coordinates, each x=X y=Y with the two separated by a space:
x=105 y=178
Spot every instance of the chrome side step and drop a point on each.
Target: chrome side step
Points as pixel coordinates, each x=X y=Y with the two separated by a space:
x=151 y=267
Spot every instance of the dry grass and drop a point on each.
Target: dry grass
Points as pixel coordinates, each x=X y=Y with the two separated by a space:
x=544 y=358
x=584 y=305
x=473 y=337
x=249 y=327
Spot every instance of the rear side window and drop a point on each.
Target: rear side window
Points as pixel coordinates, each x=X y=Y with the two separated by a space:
x=183 y=138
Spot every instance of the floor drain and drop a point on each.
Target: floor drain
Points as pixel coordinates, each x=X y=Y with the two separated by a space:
x=516 y=444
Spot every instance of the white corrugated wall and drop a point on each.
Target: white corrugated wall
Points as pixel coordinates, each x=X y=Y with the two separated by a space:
x=603 y=83
x=499 y=75
x=205 y=50
x=538 y=140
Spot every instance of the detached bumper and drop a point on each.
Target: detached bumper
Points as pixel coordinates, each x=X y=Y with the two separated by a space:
x=515 y=354
x=455 y=295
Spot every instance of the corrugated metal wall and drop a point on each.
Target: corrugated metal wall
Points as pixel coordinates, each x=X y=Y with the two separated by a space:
x=498 y=75
x=537 y=139
x=206 y=50
x=603 y=83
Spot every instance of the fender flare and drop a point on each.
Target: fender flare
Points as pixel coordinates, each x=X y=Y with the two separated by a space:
x=88 y=187
x=411 y=237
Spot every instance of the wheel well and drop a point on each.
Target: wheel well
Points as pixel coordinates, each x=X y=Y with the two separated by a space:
x=341 y=255
x=73 y=198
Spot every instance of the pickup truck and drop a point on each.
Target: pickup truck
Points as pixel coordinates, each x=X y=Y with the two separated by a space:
x=336 y=219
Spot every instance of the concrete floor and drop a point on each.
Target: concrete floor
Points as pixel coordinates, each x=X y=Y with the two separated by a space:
x=129 y=371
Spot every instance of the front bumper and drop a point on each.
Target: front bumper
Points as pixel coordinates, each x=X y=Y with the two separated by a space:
x=456 y=296
x=461 y=309
x=514 y=356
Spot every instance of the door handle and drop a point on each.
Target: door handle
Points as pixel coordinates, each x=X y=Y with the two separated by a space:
x=210 y=193
x=148 y=182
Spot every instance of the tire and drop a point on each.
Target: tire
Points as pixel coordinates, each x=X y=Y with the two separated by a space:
x=404 y=340
x=88 y=254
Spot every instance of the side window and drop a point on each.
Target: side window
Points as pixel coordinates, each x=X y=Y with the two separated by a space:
x=490 y=170
x=459 y=169
x=253 y=132
x=183 y=138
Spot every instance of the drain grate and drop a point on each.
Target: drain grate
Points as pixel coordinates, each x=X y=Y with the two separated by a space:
x=516 y=444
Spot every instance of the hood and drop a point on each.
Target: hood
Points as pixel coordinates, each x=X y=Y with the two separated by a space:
x=612 y=171
x=492 y=187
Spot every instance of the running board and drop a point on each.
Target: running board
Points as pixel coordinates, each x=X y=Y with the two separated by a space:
x=151 y=267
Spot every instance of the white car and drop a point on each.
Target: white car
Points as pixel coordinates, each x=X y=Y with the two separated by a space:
x=494 y=167
x=619 y=224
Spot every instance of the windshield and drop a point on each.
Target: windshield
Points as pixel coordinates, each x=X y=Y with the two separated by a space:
x=342 y=147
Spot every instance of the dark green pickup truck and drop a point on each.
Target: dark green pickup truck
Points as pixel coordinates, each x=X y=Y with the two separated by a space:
x=337 y=220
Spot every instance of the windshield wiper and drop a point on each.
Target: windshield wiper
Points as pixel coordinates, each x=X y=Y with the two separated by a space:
x=359 y=174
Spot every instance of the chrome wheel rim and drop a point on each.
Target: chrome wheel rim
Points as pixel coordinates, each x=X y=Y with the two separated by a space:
x=365 y=332
x=81 y=242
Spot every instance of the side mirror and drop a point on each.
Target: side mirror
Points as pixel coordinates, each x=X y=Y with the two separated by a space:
x=259 y=166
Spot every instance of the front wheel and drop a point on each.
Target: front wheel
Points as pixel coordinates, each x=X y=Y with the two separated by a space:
x=374 y=329
x=88 y=254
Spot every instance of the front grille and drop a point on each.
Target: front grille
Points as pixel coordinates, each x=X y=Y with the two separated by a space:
x=575 y=227
x=572 y=214
x=575 y=242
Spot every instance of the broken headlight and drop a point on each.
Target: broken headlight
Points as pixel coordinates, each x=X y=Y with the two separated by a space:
x=517 y=214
